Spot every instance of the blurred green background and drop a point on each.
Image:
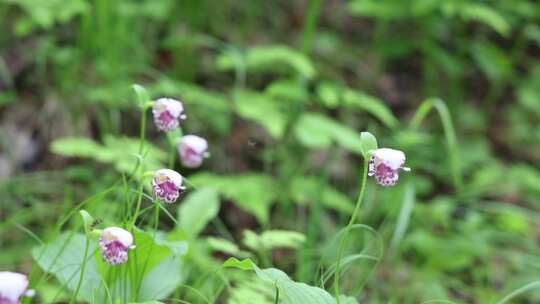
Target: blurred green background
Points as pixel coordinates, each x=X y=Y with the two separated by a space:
x=281 y=90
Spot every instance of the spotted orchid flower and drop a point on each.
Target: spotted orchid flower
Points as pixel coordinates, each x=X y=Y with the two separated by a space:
x=192 y=150
x=114 y=244
x=167 y=113
x=13 y=286
x=167 y=185
x=385 y=164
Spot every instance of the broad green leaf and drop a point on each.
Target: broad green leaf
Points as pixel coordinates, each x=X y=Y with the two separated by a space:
x=245 y=264
x=318 y=131
x=486 y=14
x=291 y=90
x=225 y=246
x=253 y=193
x=77 y=147
x=122 y=152
x=329 y=94
x=271 y=239
x=291 y=292
x=370 y=104
x=159 y=265
x=261 y=109
x=270 y=58
x=306 y=189
x=62 y=258
x=197 y=210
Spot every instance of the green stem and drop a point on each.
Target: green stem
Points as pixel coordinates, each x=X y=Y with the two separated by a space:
x=449 y=133
x=143 y=130
x=310 y=24
x=83 y=267
x=343 y=239
x=139 y=202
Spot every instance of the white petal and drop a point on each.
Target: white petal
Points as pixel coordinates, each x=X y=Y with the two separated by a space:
x=196 y=143
x=162 y=175
x=174 y=107
x=390 y=157
x=12 y=285
x=119 y=234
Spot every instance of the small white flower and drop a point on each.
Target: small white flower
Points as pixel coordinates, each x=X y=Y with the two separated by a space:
x=12 y=287
x=192 y=150
x=385 y=164
x=114 y=244
x=167 y=185
x=167 y=113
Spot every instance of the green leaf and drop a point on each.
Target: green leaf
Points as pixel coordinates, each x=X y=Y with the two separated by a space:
x=261 y=109
x=77 y=147
x=225 y=246
x=197 y=210
x=141 y=94
x=369 y=143
x=62 y=258
x=318 y=131
x=291 y=292
x=329 y=94
x=159 y=263
x=292 y=90
x=370 y=104
x=272 y=239
x=270 y=58
x=306 y=189
x=122 y=152
x=88 y=220
x=486 y=14
x=245 y=264
x=493 y=61
x=251 y=192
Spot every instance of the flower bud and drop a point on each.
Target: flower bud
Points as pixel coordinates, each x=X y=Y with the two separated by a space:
x=167 y=113
x=192 y=150
x=114 y=244
x=167 y=185
x=12 y=287
x=385 y=164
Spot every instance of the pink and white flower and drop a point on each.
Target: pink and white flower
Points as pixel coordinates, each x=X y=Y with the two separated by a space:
x=192 y=150
x=13 y=286
x=385 y=164
x=167 y=185
x=114 y=244
x=167 y=113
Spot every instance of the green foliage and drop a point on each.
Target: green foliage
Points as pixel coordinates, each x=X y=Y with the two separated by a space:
x=159 y=265
x=251 y=192
x=284 y=100
x=121 y=152
x=271 y=239
x=197 y=210
x=261 y=109
x=269 y=58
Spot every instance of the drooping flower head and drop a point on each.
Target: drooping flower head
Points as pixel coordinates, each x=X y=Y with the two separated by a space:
x=385 y=164
x=167 y=185
x=114 y=244
x=12 y=287
x=167 y=113
x=192 y=150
